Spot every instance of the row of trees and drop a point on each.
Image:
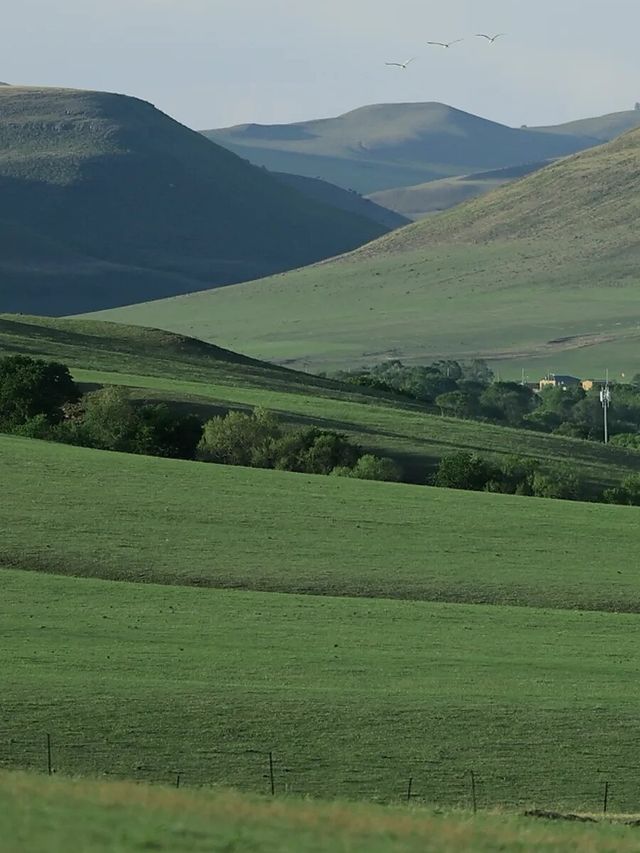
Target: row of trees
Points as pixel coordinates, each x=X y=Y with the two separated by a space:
x=468 y=390
x=39 y=399
x=523 y=476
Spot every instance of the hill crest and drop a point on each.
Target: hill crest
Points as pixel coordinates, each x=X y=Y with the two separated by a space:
x=119 y=203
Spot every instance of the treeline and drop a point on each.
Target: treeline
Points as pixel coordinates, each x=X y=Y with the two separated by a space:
x=468 y=390
x=39 y=399
x=523 y=476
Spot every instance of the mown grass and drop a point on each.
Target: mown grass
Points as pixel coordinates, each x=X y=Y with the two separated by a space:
x=210 y=380
x=58 y=815
x=352 y=697
x=86 y=512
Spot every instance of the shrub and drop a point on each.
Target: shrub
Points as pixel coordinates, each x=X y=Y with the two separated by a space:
x=30 y=387
x=109 y=421
x=628 y=493
x=240 y=439
x=370 y=467
x=464 y=471
x=560 y=482
x=314 y=451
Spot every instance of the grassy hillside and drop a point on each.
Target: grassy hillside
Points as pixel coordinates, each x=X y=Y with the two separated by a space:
x=205 y=379
x=392 y=145
x=436 y=196
x=335 y=196
x=55 y=814
x=541 y=274
x=602 y=128
x=104 y=201
x=82 y=512
x=352 y=696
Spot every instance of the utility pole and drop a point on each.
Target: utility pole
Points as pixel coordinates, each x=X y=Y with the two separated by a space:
x=605 y=399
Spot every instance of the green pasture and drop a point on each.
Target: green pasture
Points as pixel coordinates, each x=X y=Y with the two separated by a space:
x=351 y=696
x=518 y=304
x=76 y=511
x=208 y=380
x=60 y=814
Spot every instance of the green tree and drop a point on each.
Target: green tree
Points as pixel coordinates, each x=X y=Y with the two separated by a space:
x=464 y=471
x=239 y=438
x=507 y=401
x=628 y=493
x=370 y=467
x=560 y=482
x=314 y=451
x=30 y=387
x=162 y=432
x=459 y=404
x=109 y=421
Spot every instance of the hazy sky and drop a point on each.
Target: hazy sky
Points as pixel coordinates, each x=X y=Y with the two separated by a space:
x=212 y=63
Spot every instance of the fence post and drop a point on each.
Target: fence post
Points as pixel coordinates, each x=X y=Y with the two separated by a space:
x=178 y=781
x=606 y=797
x=273 y=784
x=49 y=767
x=473 y=791
x=409 y=789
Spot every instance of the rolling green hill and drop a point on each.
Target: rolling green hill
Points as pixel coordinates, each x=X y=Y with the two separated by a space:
x=352 y=696
x=105 y=201
x=392 y=145
x=86 y=512
x=203 y=378
x=539 y=275
x=436 y=196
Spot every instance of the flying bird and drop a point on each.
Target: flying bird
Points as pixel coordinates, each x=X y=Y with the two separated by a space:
x=490 y=39
x=401 y=64
x=445 y=43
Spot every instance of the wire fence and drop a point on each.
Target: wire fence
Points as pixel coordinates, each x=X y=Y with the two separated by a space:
x=381 y=778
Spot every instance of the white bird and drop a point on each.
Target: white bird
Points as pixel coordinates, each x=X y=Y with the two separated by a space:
x=446 y=44
x=401 y=64
x=490 y=39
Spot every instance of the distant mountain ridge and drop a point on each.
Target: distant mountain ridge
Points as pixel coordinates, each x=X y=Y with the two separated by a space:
x=386 y=146
x=106 y=201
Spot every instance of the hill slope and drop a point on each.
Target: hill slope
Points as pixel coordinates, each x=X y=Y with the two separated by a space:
x=540 y=274
x=436 y=196
x=105 y=201
x=392 y=145
x=335 y=196
x=603 y=128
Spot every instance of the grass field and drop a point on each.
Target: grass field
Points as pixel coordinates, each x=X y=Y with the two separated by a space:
x=38 y=813
x=84 y=512
x=353 y=697
x=540 y=275
x=208 y=380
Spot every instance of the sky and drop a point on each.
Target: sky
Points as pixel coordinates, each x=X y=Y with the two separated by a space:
x=214 y=63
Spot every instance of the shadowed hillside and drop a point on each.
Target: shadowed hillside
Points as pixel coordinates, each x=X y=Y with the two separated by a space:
x=541 y=274
x=105 y=201
x=393 y=145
